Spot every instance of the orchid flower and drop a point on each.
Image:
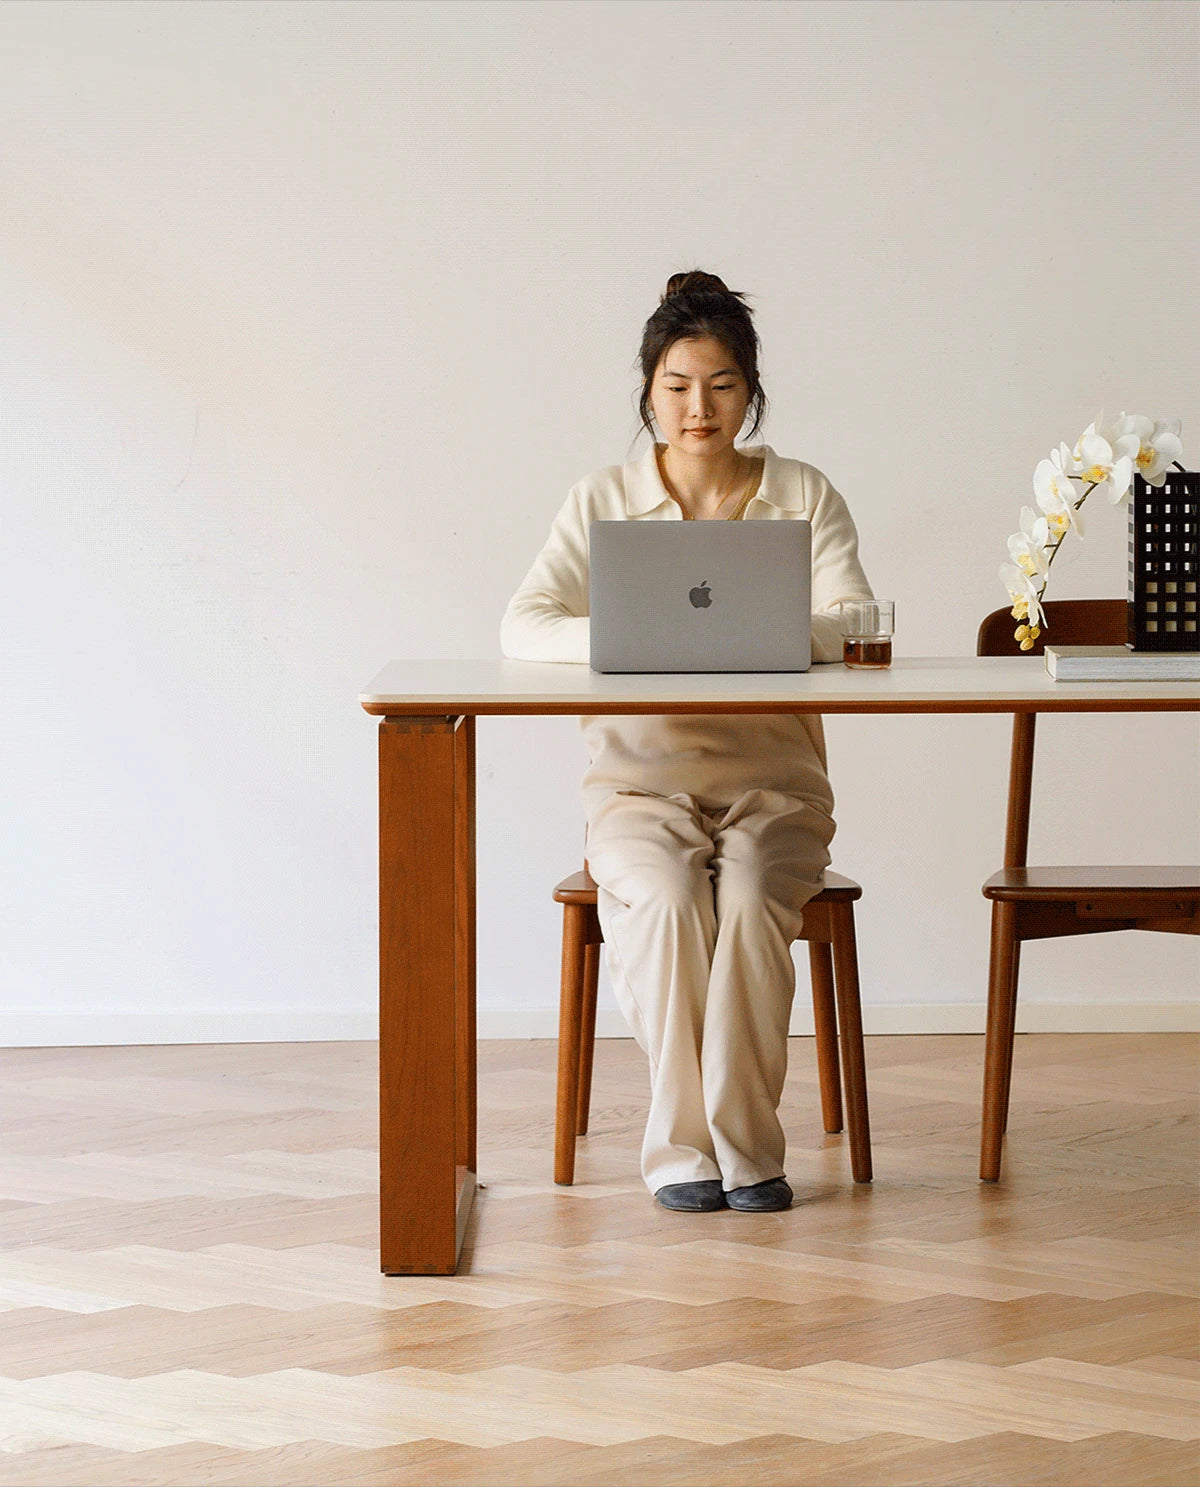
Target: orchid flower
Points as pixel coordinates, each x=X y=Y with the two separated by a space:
x=1026 y=596
x=1106 y=467
x=1108 y=429
x=1090 y=462
x=1158 y=448
x=1028 y=546
x=1056 y=495
x=1105 y=457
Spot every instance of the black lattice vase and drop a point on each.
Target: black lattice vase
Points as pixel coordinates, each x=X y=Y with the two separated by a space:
x=1164 y=563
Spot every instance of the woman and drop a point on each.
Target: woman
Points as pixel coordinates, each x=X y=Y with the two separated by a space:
x=706 y=835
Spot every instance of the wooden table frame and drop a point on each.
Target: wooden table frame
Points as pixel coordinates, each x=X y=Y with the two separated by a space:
x=427 y=1119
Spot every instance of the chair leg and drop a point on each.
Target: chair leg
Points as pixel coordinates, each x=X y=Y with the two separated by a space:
x=820 y=964
x=1012 y=1036
x=854 y=1068
x=1001 y=1026
x=591 y=977
x=570 y=1019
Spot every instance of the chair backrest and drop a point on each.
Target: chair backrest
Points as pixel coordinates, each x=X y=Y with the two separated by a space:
x=1068 y=622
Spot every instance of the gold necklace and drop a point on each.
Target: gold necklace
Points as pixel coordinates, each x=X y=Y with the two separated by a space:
x=747 y=497
x=734 y=484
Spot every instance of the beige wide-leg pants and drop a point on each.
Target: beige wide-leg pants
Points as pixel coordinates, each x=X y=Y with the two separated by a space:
x=699 y=908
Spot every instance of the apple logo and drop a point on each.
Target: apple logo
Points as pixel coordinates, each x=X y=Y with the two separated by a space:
x=701 y=595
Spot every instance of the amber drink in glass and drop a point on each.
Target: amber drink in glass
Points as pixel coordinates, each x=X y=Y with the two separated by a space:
x=867 y=626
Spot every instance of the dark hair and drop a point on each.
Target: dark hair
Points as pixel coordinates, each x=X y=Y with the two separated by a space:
x=697 y=304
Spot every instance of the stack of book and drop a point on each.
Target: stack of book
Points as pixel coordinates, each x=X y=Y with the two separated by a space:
x=1116 y=663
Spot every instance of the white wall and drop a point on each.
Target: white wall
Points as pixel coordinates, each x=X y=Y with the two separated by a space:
x=310 y=314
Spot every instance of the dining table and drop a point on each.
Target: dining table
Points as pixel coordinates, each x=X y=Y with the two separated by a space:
x=427 y=880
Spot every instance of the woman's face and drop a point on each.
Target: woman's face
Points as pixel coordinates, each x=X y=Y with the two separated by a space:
x=699 y=397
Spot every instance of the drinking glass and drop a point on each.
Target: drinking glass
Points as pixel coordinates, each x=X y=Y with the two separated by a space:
x=867 y=627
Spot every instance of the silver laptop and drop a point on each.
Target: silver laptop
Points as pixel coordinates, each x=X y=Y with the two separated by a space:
x=701 y=595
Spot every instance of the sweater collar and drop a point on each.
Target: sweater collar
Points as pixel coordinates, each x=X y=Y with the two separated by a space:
x=645 y=491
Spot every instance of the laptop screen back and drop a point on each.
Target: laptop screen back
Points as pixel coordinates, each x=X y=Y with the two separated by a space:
x=700 y=596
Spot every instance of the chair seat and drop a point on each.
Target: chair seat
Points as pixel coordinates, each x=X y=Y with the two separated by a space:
x=1054 y=884
x=580 y=888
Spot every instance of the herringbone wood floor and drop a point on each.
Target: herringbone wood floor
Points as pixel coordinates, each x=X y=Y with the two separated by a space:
x=189 y=1282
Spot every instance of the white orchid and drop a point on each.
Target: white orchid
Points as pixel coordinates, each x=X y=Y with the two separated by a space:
x=1027 y=547
x=1158 y=445
x=1026 y=596
x=1055 y=494
x=1105 y=457
x=1106 y=466
x=1111 y=430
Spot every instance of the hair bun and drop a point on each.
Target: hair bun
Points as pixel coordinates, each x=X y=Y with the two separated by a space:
x=693 y=281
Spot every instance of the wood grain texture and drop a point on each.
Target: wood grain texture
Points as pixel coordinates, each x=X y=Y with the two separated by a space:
x=425 y=992
x=190 y=1290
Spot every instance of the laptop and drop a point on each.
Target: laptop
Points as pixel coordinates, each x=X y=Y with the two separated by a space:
x=701 y=595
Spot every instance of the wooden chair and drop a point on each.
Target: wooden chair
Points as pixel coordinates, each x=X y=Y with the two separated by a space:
x=1034 y=903
x=833 y=961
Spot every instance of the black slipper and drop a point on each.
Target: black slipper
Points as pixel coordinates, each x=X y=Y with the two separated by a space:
x=764 y=1197
x=691 y=1197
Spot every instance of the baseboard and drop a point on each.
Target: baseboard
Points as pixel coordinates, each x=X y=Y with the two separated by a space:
x=100 y=1029
x=114 y=1029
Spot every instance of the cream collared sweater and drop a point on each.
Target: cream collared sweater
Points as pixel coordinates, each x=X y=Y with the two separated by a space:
x=716 y=758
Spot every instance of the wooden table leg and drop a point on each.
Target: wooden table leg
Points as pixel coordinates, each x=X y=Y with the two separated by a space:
x=464 y=945
x=426 y=992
